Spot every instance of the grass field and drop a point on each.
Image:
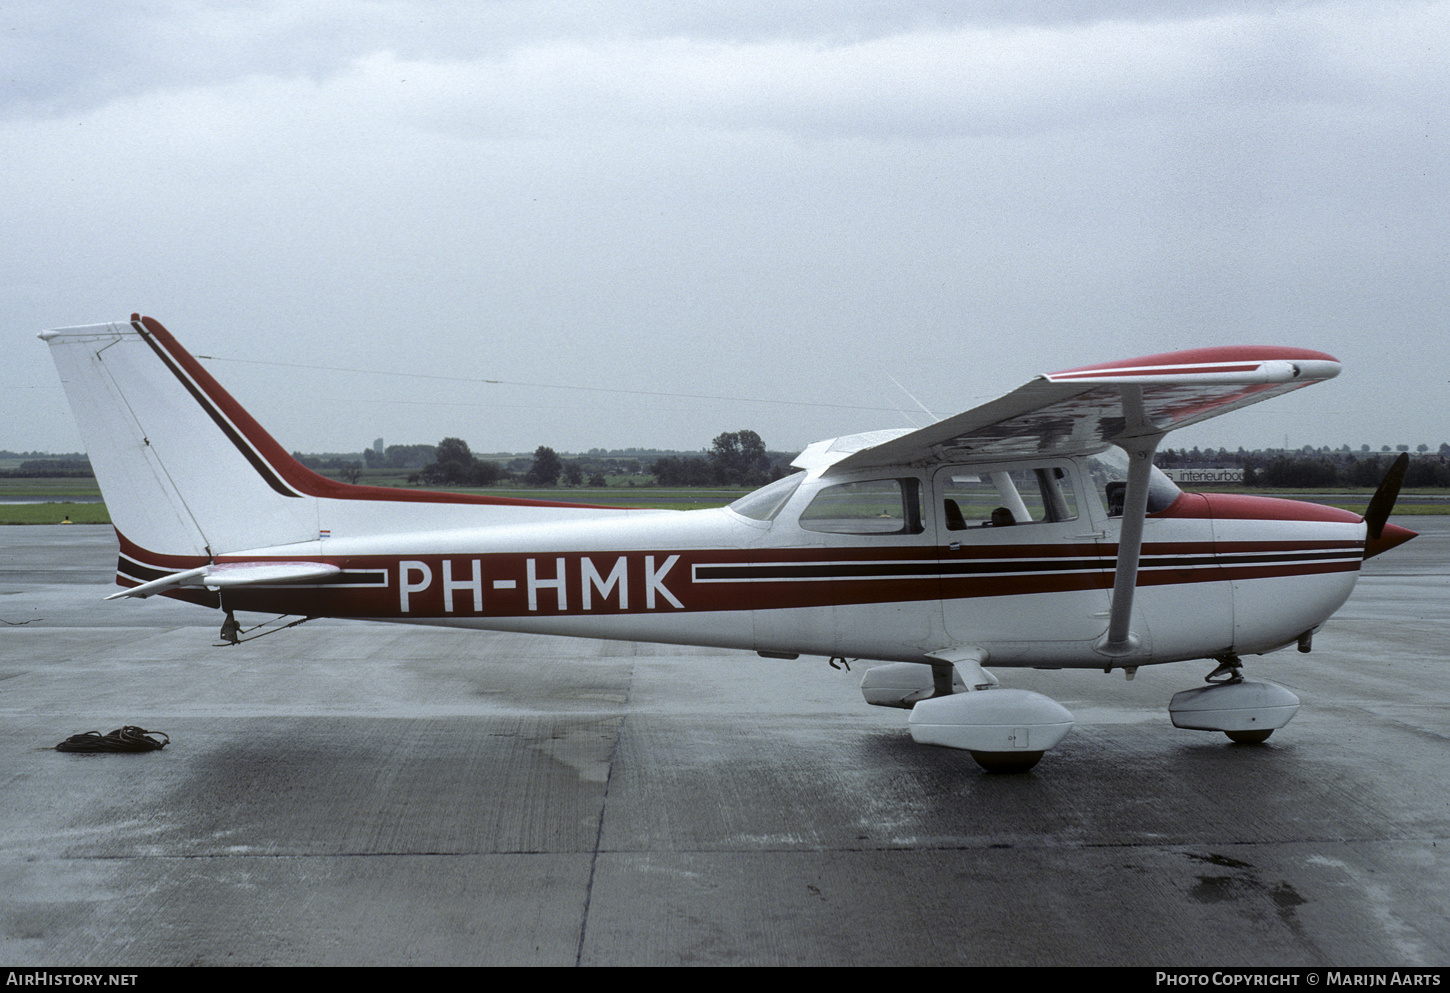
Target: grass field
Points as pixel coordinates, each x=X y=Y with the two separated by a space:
x=53 y=513
x=58 y=489
x=56 y=494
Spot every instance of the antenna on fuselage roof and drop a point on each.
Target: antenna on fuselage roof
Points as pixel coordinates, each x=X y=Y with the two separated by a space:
x=903 y=389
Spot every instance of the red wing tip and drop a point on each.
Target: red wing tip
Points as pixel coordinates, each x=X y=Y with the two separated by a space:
x=1209 y=356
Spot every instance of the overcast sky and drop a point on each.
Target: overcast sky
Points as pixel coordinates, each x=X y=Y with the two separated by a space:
x=802 y=205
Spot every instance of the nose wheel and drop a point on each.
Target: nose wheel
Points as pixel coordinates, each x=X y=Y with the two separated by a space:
x=1247 y=710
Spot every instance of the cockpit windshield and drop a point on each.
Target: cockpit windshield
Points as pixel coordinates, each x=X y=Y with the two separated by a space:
x=1110 y=478
x=765 y=503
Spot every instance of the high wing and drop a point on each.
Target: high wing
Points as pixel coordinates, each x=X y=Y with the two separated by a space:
x=1132 y=403
x=1081 y=411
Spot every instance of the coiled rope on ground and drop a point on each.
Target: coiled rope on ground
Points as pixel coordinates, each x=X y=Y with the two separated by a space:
x=127 y=739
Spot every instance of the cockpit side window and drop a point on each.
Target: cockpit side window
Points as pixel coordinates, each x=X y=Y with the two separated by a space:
x=1110 y=479
x=872 y=506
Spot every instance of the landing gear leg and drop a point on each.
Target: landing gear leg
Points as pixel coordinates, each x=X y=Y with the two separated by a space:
x=231 y=630
x=1230 y=670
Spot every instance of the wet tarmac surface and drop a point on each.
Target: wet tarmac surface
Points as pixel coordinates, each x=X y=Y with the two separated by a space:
x=354 y=794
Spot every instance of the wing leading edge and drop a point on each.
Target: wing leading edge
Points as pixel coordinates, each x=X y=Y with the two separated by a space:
x=1081 y=411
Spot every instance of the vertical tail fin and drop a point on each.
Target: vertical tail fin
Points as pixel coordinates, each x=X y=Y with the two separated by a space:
x=189 y=475
x=185 y=471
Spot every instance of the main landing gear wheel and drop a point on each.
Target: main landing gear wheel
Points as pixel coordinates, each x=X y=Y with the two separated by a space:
x=1005 y=730
x=1007 y=762
x=1249 y=737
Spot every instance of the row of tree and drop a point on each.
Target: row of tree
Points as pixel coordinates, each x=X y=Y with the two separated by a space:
x=1313 y=472
x=1169 y=458
x=78 y=467
x=735 y=458
x=740 y=458
x=455 y=465
x=1313 y=468
x=400 y=456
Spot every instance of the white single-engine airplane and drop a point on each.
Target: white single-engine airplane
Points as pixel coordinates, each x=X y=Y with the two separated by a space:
x=1032 y=531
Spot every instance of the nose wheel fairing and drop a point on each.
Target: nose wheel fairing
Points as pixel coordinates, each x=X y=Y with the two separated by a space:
x=1247 y=710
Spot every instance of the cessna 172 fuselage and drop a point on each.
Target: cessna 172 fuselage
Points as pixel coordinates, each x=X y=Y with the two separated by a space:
x=1031 y=531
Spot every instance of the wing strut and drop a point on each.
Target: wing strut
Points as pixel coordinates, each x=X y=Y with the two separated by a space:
x=1140 y=440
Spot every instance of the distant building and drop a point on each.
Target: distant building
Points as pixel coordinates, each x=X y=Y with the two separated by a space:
x=1213 y=475
x=378 y=445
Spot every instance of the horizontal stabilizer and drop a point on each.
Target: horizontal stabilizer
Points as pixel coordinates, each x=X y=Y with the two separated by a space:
x=230 y=574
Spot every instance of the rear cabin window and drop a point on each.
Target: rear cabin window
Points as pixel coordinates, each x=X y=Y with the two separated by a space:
x=873 y=506
x=1002 y=498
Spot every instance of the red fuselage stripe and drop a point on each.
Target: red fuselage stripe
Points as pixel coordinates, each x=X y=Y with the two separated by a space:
x=643 y=582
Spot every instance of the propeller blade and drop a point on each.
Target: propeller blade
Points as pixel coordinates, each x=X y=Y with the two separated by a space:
x=1384 y=498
